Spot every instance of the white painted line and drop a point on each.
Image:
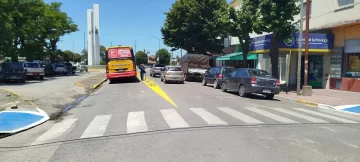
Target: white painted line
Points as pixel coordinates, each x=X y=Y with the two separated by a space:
x=208 y=117
x=97 y=126
x=325 y=115
x=56 y=131
x=173 y=119
x=271 y=115
x=308 y=118
x=245 y=118
x=136 y=122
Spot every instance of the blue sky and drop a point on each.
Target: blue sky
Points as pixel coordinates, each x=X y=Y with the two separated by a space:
x=122 y=22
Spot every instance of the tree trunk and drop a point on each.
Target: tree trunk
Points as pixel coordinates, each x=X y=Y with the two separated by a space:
x=245 y=53
x=274 y=55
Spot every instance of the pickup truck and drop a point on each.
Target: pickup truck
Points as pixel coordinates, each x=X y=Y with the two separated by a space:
x=70 y=68
x=33 y=69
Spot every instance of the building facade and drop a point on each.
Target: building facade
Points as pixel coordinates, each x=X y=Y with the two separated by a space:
x=334 y=64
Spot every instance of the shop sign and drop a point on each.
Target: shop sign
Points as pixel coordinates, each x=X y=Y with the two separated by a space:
x=316 y=41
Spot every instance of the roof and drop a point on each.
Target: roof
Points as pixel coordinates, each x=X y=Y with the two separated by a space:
x=107 y=48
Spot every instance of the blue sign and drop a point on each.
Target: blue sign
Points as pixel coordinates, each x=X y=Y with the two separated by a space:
x=316 y=41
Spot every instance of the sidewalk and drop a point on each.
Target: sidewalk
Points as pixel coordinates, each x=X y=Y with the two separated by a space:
x=325 y=98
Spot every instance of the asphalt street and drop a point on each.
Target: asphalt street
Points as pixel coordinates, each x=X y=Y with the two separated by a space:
x=128 y=121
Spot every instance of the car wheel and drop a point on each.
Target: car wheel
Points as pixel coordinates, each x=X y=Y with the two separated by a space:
x=165 y=81
x=216 y=85
x=223 y=87
x=242 y=92
x=203 y=82
x=182 y=82
x=23 y=80
x=41 y=77
x=270 y=96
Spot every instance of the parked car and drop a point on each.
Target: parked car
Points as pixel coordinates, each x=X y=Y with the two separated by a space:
x=70 y=68
x=172 y=74
x=247 y=81
x=156 y=69
x=60 y=69
x=13 y=71
x=50 y=70
x=216 y=75
x=34 y=69
x=82 y=67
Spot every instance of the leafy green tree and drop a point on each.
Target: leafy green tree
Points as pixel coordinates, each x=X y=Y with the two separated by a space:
x=241 y=24
x=194 y=25
x=102 y=52
x=141 y=57
x=164 y=56
x=276 y=17
x=84 y=54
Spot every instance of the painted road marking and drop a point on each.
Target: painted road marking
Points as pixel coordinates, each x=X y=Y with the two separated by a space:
x=325 y=115
x=97 y=126
x=173 y=119
x=208 y=117
x=56 y=131
x=245 y=118
x=136 y=122
x=270 y=115
x=308 y=118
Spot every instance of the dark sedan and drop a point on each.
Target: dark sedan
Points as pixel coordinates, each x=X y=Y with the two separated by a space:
x=216 y=75
x=247 y=81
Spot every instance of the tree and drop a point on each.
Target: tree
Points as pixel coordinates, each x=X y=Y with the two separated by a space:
x=102 y=51
x=241 y=24
x=141 y=57
x=194 y=25
x=84 y=54
x=276 y=17
x=164 y=56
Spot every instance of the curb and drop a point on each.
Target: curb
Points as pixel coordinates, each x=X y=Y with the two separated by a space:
x=307 y=103
x=98 y=84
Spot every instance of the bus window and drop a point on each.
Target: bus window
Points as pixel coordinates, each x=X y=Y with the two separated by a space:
x=120 y=63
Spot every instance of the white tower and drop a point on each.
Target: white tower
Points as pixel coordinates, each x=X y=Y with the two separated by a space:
x=96 y=28
x=90 y=37
x=93 y=25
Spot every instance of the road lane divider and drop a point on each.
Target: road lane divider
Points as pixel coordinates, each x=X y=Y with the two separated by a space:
x=156 y=88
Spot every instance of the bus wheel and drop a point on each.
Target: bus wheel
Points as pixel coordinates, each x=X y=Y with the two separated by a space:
x=111 y=81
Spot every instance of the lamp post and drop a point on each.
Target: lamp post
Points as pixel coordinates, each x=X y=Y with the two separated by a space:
x=158 y=39
x=300 y=48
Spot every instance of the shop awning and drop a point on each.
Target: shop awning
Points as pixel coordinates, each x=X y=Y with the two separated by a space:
x=236 y=56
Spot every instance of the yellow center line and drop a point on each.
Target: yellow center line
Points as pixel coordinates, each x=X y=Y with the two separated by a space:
x=156 y=88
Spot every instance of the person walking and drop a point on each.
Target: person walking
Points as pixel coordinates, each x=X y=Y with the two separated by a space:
x=142 y=71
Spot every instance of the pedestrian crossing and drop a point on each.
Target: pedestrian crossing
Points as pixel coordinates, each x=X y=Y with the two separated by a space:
x=137 y=122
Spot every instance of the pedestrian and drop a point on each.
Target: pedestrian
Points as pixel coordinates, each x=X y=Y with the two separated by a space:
x=142 y=71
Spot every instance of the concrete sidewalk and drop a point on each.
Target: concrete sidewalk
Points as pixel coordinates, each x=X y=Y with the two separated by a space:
x=324 y=98
x=92 y=82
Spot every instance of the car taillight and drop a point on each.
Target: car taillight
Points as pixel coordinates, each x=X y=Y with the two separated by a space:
x=253 y=80
x=278 y=82
x=107 y=68
x=220 y=76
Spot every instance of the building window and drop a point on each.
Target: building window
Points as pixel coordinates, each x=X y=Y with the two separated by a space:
x=344 y=3
x=304 y=9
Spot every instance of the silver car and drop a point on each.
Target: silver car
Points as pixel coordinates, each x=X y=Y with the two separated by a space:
x=156 y=70
x=172 y=74
x=82 y=67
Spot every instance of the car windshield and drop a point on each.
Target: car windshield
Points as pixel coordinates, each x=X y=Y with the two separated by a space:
x=261 y=73
x=31 y=65
x=174 y=68
x=11 y=66
x=159 y=65
x=60 y=65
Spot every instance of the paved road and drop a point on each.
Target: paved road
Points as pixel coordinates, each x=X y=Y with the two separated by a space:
x=130 y=122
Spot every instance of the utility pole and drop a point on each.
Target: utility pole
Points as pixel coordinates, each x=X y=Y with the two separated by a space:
x=171 y=57
x=73 y=51
x=180 y=56
x=300 y=49
x=307 y=90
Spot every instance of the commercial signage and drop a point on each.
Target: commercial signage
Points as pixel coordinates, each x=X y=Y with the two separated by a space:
x=119 y=53
x=316 y=41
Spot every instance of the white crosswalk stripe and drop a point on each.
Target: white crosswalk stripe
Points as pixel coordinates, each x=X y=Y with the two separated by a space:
x=325 y=115
x=97 y=126
x=136 y=122
x=208 y=117
x=270 y=115
x=173 y=119
x=245 y=118
x=306 y=117
x=54 y=132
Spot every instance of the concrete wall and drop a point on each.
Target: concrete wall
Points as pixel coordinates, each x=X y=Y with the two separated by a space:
x=328 y=14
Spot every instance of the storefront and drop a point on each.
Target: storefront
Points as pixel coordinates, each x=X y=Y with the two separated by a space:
x=236 y=60
x=320 y=46
x=345 y=61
